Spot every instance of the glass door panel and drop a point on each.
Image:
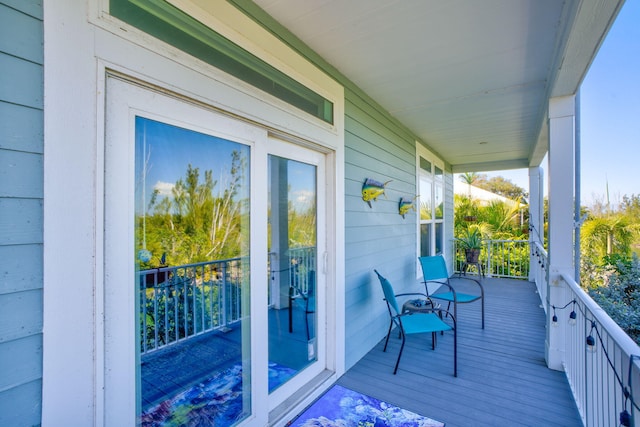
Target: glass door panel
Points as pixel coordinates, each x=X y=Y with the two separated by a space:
x=292 y=240
x=192 y=276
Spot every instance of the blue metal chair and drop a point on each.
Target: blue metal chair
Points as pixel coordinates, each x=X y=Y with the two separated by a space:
x=410 y=323
x=434 y=270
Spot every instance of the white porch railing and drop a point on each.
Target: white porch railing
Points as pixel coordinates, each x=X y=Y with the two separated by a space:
x=539 y=267
x=604 y=377
x=600 y=375
x=187 y=300
x=499 y=258
x=179 y=302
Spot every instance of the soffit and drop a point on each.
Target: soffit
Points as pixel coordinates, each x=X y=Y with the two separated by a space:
x=471 y=79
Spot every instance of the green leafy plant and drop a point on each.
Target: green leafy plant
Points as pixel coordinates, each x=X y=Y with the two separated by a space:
x=471 y=238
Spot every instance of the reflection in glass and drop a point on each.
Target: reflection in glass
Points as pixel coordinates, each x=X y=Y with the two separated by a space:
x=292 y=259
x=426 y=211
x=425 y=239
x=439 y=237
x=192 y=263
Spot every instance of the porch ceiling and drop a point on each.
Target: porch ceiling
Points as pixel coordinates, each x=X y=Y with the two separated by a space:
x=470 y=78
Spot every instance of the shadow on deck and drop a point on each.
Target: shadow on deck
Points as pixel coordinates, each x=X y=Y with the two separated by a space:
x=502 y=375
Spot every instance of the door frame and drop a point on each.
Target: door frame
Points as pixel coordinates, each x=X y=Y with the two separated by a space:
x=299 y=153
x=125 y=101
x=74 y=128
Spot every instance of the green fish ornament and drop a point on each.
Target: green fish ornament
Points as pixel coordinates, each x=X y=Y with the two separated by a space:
x=371 y=189
x=405 y=205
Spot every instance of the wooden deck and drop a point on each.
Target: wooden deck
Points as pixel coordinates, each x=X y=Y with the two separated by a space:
x=502 y=377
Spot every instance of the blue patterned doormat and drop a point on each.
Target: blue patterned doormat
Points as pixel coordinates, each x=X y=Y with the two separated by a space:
x=342 y=407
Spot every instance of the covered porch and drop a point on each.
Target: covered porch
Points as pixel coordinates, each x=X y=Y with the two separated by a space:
x=502 y=375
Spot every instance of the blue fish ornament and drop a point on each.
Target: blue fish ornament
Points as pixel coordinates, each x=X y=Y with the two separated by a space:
x=405 y=205
x=371 y=189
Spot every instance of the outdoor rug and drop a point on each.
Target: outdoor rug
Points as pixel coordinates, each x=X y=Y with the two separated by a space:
x=216 y=401
x=342 y=407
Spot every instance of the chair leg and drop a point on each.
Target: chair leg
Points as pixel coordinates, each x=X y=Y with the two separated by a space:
x=482 y=302
x=455 y=349
x=433 y=340
x=399 y=355
x=388 y=334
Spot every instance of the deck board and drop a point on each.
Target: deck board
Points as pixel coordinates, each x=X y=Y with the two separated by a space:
x=502 y=375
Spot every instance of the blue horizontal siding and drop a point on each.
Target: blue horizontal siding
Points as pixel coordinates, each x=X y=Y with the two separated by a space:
x=21 y=174
x=12 y=22
x=21 y=268
x=21 y=211
x=21 y=406
x=20 y=221
x=21 y=128
x=22 y=81
x=32 y=8
x=377 y=236
x=16 y=372
x=23 y=317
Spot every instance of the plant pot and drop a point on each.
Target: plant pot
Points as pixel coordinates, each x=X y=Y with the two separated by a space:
x=472 y=255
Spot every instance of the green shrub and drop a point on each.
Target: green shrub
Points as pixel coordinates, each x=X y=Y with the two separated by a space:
x=619 y=296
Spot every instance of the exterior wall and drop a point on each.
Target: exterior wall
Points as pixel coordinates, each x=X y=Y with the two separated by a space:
x=21 y=194
x=376 y=237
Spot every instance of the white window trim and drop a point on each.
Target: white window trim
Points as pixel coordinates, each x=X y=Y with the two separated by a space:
x=423 y=152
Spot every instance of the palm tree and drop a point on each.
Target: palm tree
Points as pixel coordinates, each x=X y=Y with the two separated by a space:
x=606 y=235
x=470 y=177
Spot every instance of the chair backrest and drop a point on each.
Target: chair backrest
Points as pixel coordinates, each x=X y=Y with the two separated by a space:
x=389 y=295
x=434 y=269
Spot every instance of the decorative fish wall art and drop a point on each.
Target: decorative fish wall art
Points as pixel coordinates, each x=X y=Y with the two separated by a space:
x=405 y=205
x=371 y=189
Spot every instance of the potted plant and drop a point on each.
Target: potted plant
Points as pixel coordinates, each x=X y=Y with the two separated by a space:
x=471 y=242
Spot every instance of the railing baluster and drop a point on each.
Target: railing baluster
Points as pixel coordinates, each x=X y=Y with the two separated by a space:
x=216 y=290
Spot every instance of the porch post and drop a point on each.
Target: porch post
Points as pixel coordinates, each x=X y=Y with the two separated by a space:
x=561 y=195
x=536 y=210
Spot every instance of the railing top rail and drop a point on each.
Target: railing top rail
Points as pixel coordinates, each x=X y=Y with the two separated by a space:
x=197 y=264
x=540 y=247
x=626 y=344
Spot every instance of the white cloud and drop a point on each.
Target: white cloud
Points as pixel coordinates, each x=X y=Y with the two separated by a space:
x=303 y=199
x=164 y=188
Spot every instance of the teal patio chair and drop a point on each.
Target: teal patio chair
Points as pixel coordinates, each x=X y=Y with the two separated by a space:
x=434 y=270
x=410 y=323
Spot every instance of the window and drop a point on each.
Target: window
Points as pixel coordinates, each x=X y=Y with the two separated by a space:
x=171 y=25
x=431 y=191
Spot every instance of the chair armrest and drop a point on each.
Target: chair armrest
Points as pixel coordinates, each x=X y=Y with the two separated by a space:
x=412 y=293
x=440 y=283
x=477 y=282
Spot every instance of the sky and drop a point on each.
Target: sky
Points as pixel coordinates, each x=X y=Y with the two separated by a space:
x=170 y=150
x=609 y=116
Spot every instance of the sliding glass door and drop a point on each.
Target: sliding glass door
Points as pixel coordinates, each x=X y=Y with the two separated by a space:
x=295 y=244
x=214 y=283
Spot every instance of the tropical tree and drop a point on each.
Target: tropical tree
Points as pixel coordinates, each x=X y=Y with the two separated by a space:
x=502 y=186
x=470 y=177
x=503 y=218
x=607 y=235
x=195 y=224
